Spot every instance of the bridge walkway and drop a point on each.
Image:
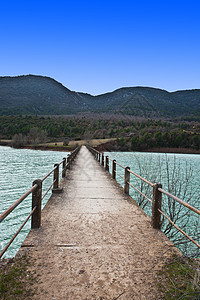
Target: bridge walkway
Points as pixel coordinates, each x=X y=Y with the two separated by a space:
x=94 y=243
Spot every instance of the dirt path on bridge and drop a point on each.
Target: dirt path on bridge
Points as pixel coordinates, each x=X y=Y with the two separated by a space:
x=93 y=243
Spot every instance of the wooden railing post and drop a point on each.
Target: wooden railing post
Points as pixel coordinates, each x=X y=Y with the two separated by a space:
x=56 y=188
x=156 y=204
x=102 y=159
x=107 y=164
x=36 y=202
x=56 y=176
x=64 y=168
x=99 y=157
x=68 y=161
x=114 y=169
x=126 y=180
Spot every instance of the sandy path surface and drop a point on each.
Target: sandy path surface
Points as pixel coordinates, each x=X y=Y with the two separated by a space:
x=93 y=243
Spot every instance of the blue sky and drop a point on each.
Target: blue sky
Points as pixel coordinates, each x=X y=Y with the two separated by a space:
x=99 y=46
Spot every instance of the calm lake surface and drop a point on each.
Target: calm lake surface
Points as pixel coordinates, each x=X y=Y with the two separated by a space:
x=20 y=167
x=179 y=174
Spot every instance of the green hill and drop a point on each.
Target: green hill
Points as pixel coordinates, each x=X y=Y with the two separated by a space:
x=38 y=95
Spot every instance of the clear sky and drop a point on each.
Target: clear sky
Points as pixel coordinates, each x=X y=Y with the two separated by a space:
x=96 y=46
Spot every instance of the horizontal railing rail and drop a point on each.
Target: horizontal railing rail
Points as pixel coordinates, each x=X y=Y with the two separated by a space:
x=156 y=193
x=143 y=179
x=48 y=174
x=36 y=191
x=120 y=165
x=16 y=203
x=180 y=201
x=16 y=234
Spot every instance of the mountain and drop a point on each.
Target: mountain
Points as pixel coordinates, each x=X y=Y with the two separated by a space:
x=39 y=95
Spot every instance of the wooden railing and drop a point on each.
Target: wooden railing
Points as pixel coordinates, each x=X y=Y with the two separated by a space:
x=37 y=197
x=157 y=191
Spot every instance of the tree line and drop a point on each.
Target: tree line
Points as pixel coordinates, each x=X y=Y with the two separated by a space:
x=130 y=134
x=159 y=139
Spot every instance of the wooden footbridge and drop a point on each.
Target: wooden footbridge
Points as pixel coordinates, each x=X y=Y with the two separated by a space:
x=92 y=241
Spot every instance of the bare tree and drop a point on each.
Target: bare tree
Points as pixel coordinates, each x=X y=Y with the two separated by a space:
x=176 y=179
x=36 y=136
x=18 y=140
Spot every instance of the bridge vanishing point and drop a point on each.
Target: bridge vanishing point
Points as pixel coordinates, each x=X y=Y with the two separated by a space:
x=95 y=242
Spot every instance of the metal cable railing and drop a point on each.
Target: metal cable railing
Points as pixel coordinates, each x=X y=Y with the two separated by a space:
x=140 y=192
x=37 y=197
x=120 y=165
x=48 y=190
x=194 y=209
x=48 y=174
x=179 y=229
x=16 y=203
x=157 y=194
x=143 y=179
x=119 y=175
x=16 y=234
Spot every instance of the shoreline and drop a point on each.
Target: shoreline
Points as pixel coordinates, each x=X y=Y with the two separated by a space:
x=49 y=148
x=173 y=150
x=42 y=148
x=106 y=147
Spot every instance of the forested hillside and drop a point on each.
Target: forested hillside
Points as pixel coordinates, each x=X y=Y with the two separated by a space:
x=128 y=134
x=38 y=95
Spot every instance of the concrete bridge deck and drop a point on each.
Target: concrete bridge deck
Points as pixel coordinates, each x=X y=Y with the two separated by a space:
x=93 y=243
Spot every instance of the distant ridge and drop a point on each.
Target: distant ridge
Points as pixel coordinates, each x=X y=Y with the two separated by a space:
x=40 y=95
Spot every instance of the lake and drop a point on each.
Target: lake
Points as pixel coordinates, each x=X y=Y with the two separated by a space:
x=178 y=173
x=19 y=168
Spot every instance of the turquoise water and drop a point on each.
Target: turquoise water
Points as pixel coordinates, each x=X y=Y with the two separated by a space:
x=19 y=168
x=180 y=175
